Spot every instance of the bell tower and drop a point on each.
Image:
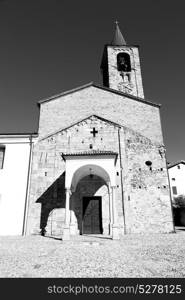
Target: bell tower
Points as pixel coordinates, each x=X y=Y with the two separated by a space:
x=121 y=66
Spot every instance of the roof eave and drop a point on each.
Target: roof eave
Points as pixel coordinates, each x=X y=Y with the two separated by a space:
x=124 y=46
x=21 y=135
x=100 y=87
x=175 y=164
x=65 y=156
x=65 y=93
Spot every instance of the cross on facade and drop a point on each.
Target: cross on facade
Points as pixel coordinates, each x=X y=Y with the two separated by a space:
x=94 y=131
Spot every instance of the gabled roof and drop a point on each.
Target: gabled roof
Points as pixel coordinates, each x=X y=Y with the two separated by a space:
x=98 y=87
x=176 y=163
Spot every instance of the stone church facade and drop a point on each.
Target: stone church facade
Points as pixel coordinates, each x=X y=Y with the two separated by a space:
x=98 y=163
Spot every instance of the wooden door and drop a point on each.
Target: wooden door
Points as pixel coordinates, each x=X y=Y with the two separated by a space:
x=92 y=216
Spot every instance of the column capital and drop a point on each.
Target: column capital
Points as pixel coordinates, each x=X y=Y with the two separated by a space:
x=68 y=190
x=113 y=187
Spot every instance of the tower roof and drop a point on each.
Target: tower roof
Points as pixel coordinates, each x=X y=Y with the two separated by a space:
x=118 y=39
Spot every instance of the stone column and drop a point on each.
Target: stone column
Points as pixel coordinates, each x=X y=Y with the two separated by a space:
x=73 y=230
x=115 y=229
x=110 y=211
x=66 y=229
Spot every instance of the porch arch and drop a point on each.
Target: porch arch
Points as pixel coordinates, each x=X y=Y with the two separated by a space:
x=103 y=165
x=91 y=170
x=80 y=165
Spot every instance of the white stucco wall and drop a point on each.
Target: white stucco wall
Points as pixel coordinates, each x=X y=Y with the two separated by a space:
x=13 y=183
x=179 y=176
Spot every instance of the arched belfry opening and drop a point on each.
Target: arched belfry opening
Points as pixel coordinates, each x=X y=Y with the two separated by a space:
x=123 y=62
x=90 y=185
x=120 y=66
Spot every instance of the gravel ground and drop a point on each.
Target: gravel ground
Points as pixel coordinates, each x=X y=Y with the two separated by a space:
x=155 y=255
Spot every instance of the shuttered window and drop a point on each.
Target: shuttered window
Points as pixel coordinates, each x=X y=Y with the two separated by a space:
x=174 y=189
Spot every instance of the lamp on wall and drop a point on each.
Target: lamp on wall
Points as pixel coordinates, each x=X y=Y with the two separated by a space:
x=91 y=173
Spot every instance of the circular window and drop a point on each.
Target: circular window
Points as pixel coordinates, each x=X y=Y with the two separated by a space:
x=148 y=163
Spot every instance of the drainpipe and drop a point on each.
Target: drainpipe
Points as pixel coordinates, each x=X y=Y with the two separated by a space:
x=170 y=192
x=27 y=188
x=121 y=175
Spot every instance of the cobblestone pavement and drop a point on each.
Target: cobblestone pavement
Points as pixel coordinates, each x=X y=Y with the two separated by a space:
x=156 y=255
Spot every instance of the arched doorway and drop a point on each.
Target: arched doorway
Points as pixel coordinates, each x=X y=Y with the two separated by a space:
x=90 y=193
x=90 y=200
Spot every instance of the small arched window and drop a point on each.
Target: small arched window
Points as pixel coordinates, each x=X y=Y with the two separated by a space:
x=123 y=62
x=2 y=153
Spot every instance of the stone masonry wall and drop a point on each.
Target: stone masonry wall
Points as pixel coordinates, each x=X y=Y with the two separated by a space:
x=146 y=186
x=115 y=80
x=47 y=185
x=146 y=191
x=71 y=108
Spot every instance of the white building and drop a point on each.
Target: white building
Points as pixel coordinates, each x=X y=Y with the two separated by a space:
x=177 y=178
x=15 y=158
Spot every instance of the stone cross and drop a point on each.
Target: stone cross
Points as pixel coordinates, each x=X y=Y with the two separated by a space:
x=94 y=131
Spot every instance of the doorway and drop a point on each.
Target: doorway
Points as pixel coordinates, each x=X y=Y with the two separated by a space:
x=92 y=215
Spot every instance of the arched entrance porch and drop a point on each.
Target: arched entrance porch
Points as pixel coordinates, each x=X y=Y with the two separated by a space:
x=90 y=194
x=90 y=200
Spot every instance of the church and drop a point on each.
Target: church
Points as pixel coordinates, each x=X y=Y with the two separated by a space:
x=97 y=164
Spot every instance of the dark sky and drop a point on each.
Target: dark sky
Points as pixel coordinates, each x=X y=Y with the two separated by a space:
x=49 y=46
